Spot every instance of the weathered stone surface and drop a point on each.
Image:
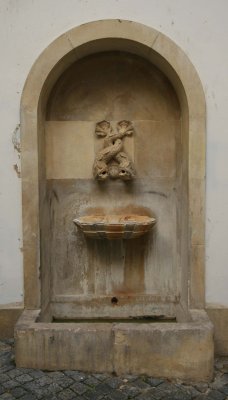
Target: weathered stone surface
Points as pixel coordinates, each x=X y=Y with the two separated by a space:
x=93 y=344
x=172 y=350
x=163 y=54
x=111 y=227
x=77 y=277
x=219 y=318
x=116 y=268
x=179 y=350
x=63 y=139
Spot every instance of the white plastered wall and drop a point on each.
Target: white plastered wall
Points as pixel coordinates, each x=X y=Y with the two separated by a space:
x=199 y=27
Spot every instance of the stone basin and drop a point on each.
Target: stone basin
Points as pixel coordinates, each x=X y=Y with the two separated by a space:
x=115 y=226
x=182 y=350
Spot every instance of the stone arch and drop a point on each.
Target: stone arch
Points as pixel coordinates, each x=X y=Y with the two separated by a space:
x=152 y=45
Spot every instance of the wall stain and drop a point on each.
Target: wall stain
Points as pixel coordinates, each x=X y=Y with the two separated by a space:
x=16 y=168
x=16 y=138
x=158 y=193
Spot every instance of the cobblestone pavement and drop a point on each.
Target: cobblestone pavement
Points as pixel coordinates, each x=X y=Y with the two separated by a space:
x=30 y=384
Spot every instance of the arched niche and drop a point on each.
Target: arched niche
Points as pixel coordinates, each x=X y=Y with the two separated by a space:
x=94 y=40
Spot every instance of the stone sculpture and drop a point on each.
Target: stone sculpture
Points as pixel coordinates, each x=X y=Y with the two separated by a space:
x=111 y=161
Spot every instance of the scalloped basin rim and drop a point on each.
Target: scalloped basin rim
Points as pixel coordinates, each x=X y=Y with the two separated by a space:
x=115 y=219
x=115 y=226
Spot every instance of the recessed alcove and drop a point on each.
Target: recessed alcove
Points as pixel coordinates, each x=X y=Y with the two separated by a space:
x=130 y=73
x=113 y=86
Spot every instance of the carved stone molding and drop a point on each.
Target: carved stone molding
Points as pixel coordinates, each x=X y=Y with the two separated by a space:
x=112 y=161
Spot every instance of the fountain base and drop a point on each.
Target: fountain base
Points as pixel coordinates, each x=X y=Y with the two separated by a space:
x=181 y=350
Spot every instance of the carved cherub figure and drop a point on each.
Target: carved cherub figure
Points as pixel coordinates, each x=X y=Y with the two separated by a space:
x=111 y=161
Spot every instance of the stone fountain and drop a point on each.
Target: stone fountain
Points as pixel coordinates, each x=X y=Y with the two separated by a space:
x=113 y=185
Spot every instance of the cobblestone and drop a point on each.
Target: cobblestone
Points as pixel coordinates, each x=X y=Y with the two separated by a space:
x=117 y=395
x=140 y=383
x=114 y=383
x=79 y=388
x=224 y=390
x=91 y=381
x=216 y=395
x=18 y=392
x=10 y=384
x=76 y=375
x=154 y=381
x=30 y=384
